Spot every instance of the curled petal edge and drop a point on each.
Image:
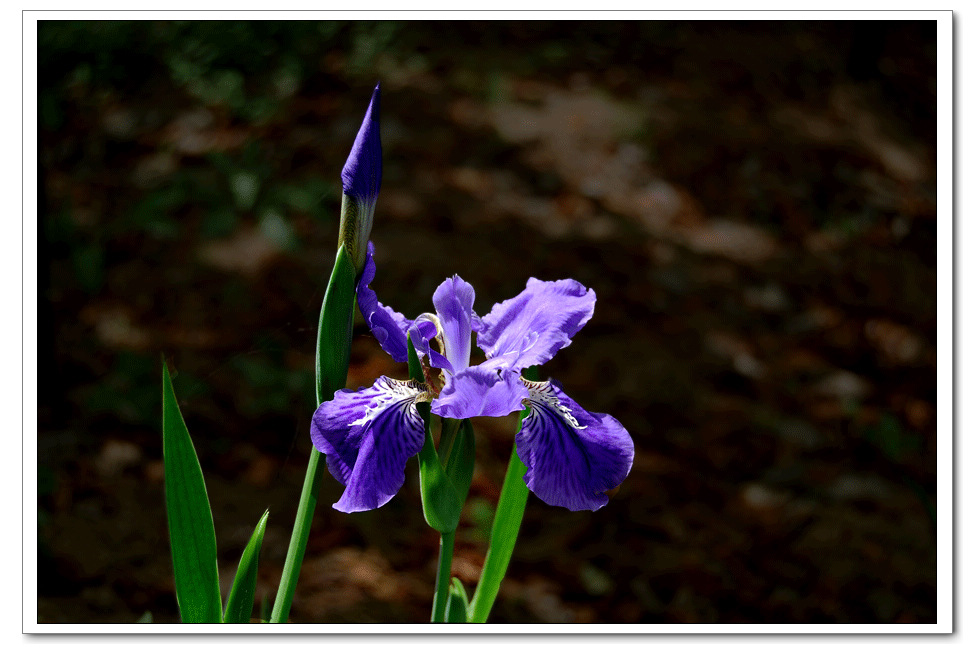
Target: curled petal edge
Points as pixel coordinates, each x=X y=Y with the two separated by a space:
x=388 y=326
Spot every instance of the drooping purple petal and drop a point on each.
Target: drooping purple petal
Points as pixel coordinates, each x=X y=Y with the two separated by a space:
x=363 y=171
x=573 y=456
x=367 y=437
x=531 y=327
x=480 y=391
x=454 y=301
x=388 y=326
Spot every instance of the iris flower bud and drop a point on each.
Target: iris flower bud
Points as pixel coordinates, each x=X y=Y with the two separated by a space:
x=361 y=178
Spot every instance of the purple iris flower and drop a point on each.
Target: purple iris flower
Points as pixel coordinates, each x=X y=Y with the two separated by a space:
x=362 y=176
x=573 y=456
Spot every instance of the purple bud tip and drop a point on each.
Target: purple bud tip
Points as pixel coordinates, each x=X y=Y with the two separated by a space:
x=363 y=171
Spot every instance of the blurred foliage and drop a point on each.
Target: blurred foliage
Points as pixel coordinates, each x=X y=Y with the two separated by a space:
x=205 y=58
x=254 y=85
x=126 y=393
x=270 y=387
x=891 y=438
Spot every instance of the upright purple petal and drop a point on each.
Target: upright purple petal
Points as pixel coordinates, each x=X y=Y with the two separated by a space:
x=367 y=437
x=480 y=391
x=361 y=178
x=388 y=326
x=531 y=327
x=573 y=456
x=454 y=301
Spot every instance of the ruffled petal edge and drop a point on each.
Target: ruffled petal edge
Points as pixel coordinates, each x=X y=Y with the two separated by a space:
x=481 y=391
x=531 y=327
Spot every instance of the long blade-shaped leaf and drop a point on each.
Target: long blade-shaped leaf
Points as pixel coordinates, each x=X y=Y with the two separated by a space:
x=191 y=535
x=504 y=531
x=240 y=602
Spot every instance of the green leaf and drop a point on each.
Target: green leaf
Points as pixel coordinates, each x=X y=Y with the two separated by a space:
x=191 y=535
x=504 y=531
x=240 y=603
x=457 y=605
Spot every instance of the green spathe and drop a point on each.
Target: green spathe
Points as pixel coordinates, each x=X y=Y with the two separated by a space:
x=457 y=604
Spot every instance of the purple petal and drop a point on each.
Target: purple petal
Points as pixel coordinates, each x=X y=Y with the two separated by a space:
x=454 y=301
x=531 y=327
x=363 y=171
x=573 y=456
x=388 y=326
x=480 y=391
x=367 y=437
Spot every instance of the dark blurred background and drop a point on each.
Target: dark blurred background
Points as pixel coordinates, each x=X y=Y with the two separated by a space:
x=753 y=203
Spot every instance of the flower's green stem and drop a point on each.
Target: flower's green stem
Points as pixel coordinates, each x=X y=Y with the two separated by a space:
x=331 y=369
x=443 y=577
x=299 y=537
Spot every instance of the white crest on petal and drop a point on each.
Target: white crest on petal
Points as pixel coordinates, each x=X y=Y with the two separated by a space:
x=542 y=393
x=395 y=392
